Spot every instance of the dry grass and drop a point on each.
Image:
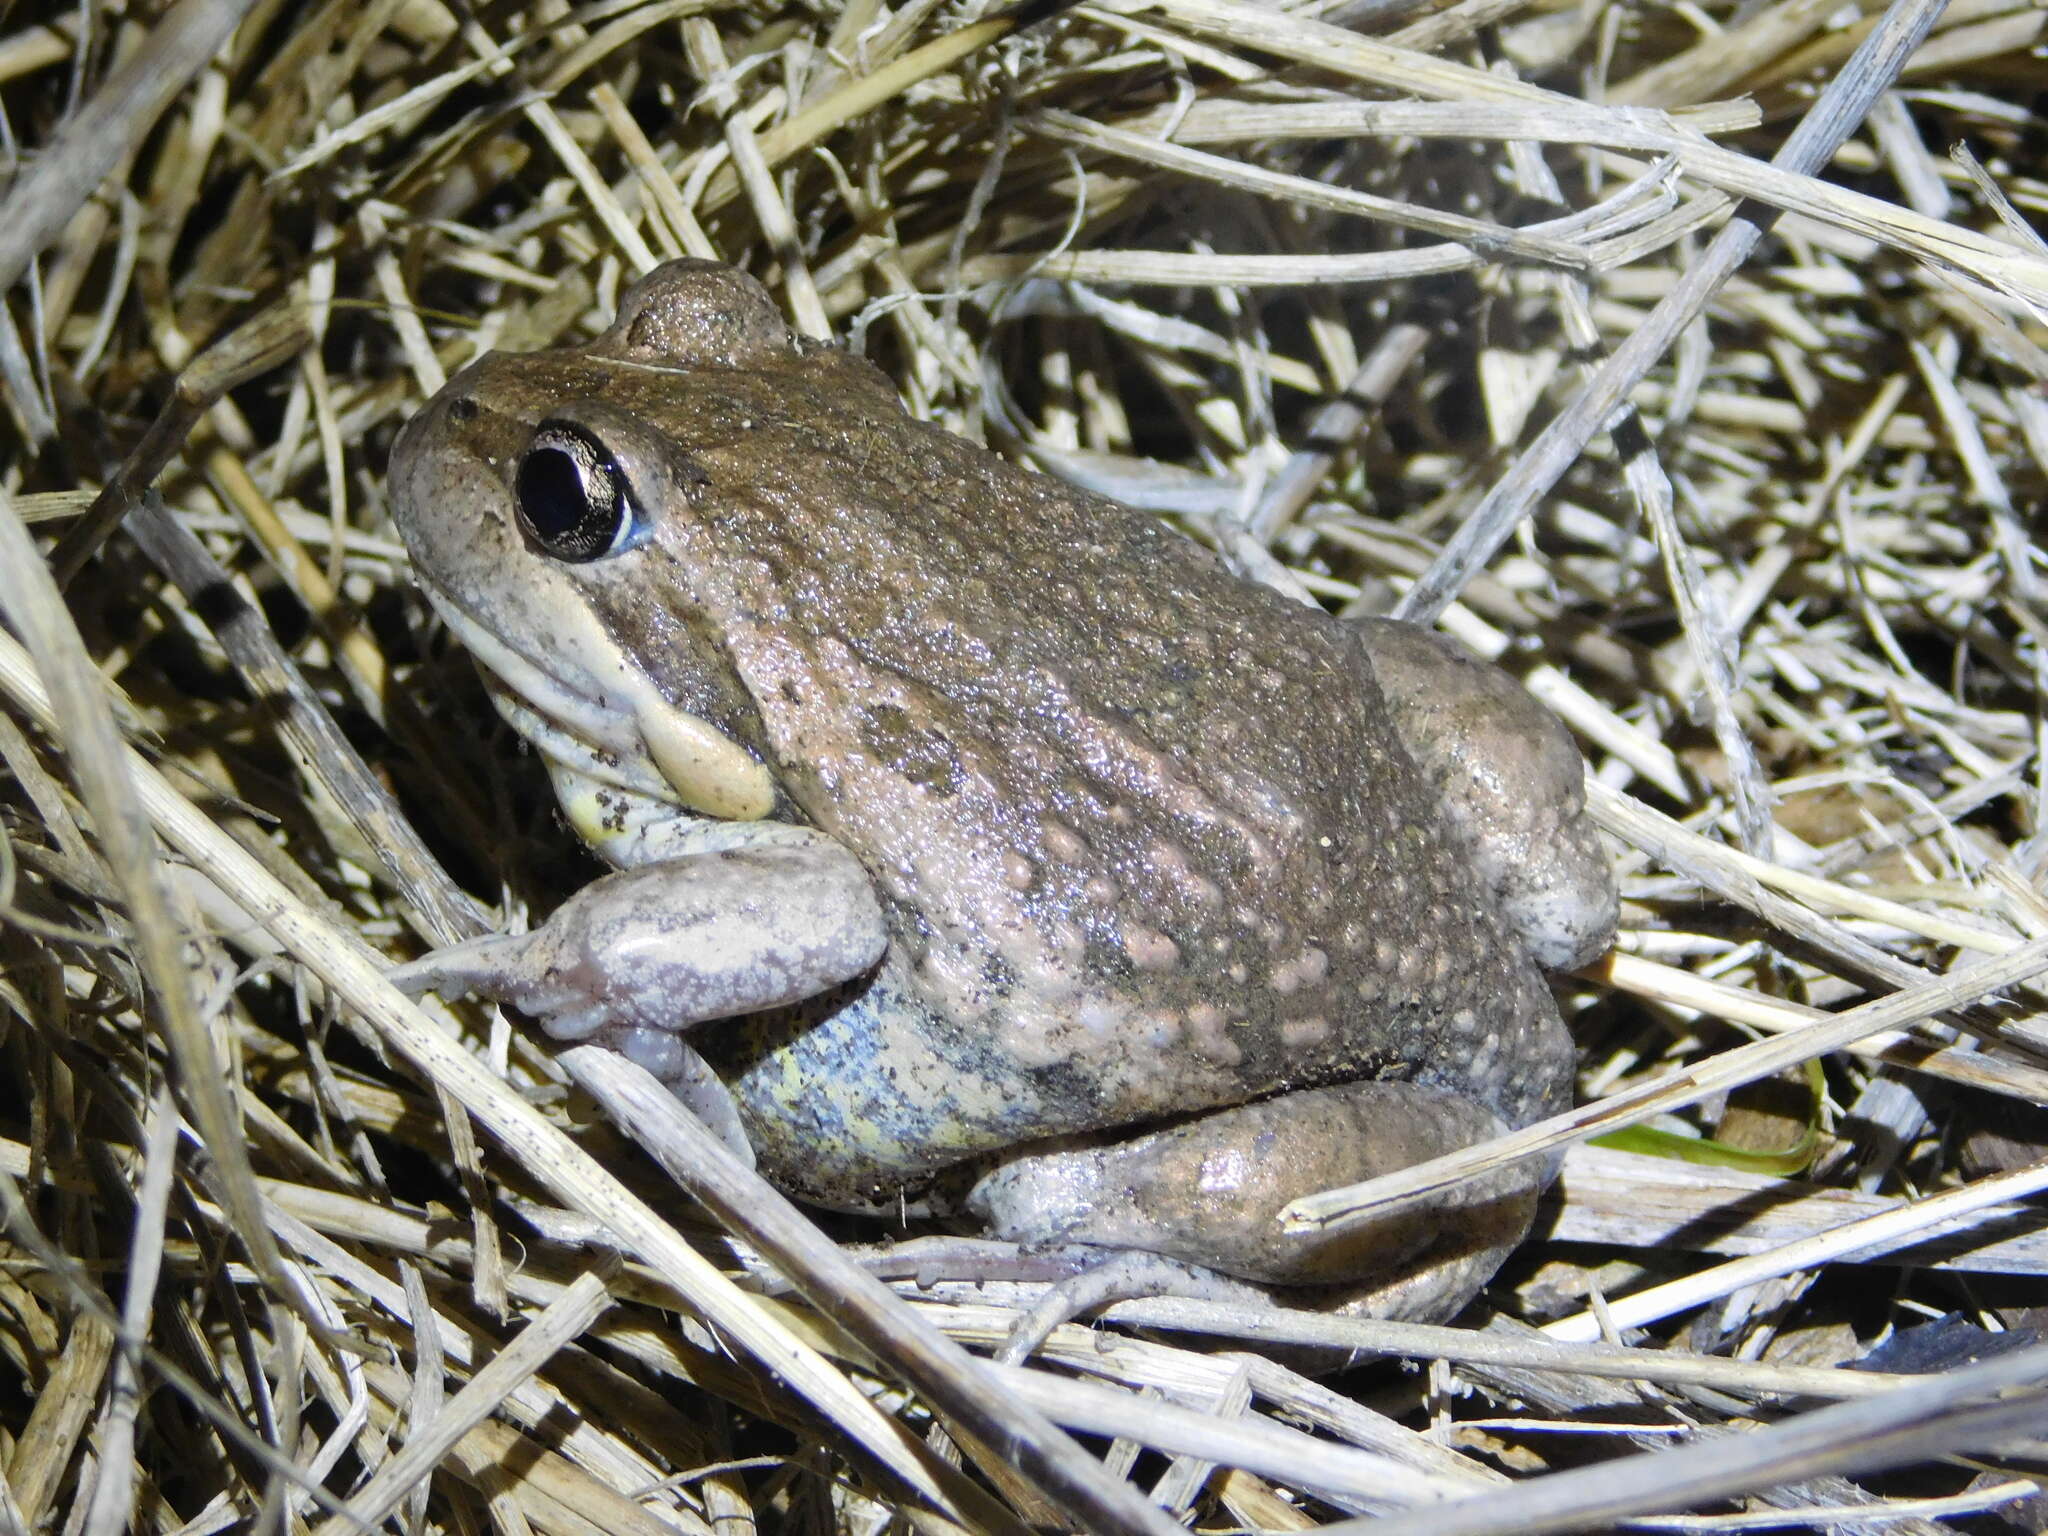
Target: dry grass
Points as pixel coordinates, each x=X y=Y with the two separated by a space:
x=260 y=1268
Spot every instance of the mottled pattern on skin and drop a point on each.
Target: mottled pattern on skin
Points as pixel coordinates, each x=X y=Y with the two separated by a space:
x=1146 y=838
x=1505 y=771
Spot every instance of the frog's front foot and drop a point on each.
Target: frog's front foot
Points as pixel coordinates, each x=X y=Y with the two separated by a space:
x=1210 y=1191
x=635 y=958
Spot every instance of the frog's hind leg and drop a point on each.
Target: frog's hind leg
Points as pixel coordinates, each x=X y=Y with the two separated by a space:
x=1511 y=785
x=1210 y=1191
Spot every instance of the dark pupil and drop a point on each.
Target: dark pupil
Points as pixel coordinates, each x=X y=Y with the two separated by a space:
x=571 y=496
x=551 y=494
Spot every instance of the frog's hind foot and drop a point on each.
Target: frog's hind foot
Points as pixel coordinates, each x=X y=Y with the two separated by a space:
x=1104 y=1277
x=1077 y=1279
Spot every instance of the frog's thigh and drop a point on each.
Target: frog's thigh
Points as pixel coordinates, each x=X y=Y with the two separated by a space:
x=1511 y=783
x=1210 y=1191
x=637 y=956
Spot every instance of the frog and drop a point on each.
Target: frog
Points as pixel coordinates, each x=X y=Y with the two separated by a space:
x=986 y=849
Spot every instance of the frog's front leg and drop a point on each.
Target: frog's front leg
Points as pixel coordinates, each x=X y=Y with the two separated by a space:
x=1210 y=1191
x=635 y=958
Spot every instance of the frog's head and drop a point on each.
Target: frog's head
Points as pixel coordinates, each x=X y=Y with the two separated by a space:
x=553 y=504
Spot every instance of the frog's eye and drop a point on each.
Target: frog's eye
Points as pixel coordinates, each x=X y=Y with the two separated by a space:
x=572 y=497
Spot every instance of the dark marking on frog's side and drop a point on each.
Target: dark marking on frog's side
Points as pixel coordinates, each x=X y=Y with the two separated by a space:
x=921 y=754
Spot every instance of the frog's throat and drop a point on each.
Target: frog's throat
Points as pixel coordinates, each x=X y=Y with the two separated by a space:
x=630 y=737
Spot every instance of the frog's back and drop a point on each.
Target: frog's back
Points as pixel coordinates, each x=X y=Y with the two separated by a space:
x=1146 y=834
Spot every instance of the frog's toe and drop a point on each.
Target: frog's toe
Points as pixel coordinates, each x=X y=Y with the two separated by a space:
x=1511 y=785
x=669 y=1057
x=1102 y=1279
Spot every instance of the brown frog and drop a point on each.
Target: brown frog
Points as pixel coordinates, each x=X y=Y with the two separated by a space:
x=1016 y=843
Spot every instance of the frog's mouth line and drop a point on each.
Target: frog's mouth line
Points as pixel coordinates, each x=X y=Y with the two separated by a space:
x=626 y=734
x=551 y=704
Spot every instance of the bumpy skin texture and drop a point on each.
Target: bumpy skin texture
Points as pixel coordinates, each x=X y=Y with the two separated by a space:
x=1508 y=777
x=1145 y=838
